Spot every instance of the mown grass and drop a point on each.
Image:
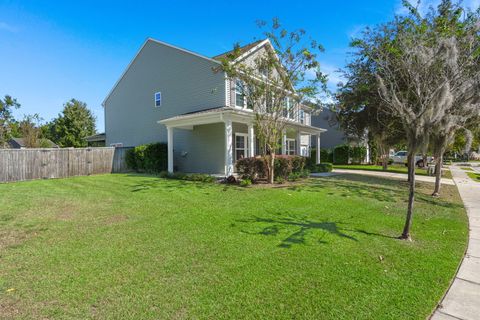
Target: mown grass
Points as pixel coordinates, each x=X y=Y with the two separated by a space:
x=141 y=247
x=391 y=168
x=473 y=175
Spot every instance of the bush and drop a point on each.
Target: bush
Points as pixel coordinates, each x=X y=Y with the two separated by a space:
x=323 y=167
x=253 y=168
x=246 y=182
x=256 y=168
x=147 y=158
x=358 y=154
x=341 y=154
x=188 y=177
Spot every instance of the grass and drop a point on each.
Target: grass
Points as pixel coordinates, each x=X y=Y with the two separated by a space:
x=474 y=176
x=141 y=247
x=391 y=168
x=466 y=168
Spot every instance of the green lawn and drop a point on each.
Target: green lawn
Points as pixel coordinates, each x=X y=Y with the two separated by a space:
x=475 y=176
x=391 y=168
x=467 y=168
x=140 y=247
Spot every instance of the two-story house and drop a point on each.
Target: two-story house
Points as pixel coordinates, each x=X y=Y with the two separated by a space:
x=168 y=94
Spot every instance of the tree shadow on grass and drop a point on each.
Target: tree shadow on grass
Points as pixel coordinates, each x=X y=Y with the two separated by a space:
x=303 y=227
x=168 y=185
x=377 y=188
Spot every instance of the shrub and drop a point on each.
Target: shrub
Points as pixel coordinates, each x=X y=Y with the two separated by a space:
x=323 y=167
x=341 y=154
x=189 y=177
x=282 y=166
x=298 y=163
x=246 y=182
x=358 y=154
x=256 y=168
x=252 y=168
x=147 y=158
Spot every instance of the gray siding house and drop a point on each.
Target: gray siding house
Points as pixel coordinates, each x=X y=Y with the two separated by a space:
x=172 y=95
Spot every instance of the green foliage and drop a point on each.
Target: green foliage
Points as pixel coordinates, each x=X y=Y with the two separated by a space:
x=341 y=154
x=358 y=154
x=148 y=158
x=246 y=182
x=7 y=104
x=256 y=168
x=199 y=177
x=323 y=167
x=72 y=125
x=252 y=168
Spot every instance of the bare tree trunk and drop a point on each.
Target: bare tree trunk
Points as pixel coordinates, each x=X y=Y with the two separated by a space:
x=271 y=170
x=438 y=175
x=411 y=198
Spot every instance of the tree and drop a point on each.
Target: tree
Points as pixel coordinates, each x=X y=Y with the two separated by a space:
x=461 y=70
x=359 y=108
x=277 y=82
x=6 y=118
x=71 y=126
x=412 y=70
x=30 y=131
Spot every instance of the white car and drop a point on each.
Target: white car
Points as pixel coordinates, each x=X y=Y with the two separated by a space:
x=401 y=157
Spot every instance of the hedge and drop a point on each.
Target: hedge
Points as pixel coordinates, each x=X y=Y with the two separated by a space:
x=323 y=167
x=284 y=166
x=148 y=158
x=345 y=154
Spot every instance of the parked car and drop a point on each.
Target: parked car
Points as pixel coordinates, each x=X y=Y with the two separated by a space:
x=401 y=157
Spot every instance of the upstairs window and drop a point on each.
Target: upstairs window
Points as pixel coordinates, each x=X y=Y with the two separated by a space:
x=158 y=99
x=239 y=95
x=302 y=117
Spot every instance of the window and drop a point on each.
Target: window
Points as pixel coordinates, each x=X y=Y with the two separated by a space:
x=291 y=110
x=285 y=107
x=158 y=99
x=241 y=146
x=239 y=95
x=290 y=147
x=302 y=117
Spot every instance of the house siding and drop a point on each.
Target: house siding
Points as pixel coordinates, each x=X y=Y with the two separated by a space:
x=187 y=83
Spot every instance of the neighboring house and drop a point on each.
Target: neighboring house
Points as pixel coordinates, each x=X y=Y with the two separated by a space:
x=168 y=94
x=19 y=143
x=96 y=140
x=334 y=135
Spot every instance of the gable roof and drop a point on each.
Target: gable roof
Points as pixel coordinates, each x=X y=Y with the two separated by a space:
x=242 y=50
x=17 y=143
x=138 y=53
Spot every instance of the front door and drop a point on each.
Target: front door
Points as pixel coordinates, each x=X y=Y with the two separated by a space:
x=241 y=146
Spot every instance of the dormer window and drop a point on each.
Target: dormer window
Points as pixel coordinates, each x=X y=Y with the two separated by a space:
x=239 y=95
x=158 y=99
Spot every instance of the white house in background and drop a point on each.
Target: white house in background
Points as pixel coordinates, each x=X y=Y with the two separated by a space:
x=168 y=94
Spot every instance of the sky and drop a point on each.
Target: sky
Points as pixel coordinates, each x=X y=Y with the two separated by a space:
x=53 y=51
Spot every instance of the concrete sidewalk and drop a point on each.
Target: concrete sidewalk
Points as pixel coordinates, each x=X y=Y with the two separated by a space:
x=400 y=176
x=462 y=300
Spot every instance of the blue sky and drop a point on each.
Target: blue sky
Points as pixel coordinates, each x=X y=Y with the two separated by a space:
x=52 y=51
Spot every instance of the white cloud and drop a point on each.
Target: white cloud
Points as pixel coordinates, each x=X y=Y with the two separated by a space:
x=334 y=77
x=356 y=31
x=7 y=27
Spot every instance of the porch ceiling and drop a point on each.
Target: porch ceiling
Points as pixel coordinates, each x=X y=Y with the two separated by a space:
x=221 y=114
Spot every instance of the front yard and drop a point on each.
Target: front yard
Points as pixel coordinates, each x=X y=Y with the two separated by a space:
x=140 y=247
x=394 y=168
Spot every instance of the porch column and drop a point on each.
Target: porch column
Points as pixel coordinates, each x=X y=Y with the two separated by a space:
x=228 y=148
x=170 y=148
x=251 y=141
x=318 y=148
x=284 y=142
x=298 y=144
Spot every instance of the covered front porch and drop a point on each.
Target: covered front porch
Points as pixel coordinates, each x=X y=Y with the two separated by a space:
x=234 y=130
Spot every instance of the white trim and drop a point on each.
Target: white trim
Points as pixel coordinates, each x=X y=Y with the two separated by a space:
x=155 y=99
x=252 y=50
x=170 y=149
x=246 y=149
x=228 y=147
x=287 y=146
x=251 y=140
x=140 y=50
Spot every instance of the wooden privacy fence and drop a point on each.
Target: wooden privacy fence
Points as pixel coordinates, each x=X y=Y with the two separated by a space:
x=30 y=164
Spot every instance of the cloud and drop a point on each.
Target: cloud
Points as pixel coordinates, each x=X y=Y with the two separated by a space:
x=334 y=77
x=356 y=31
x=7 y=27
x=425 y=5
